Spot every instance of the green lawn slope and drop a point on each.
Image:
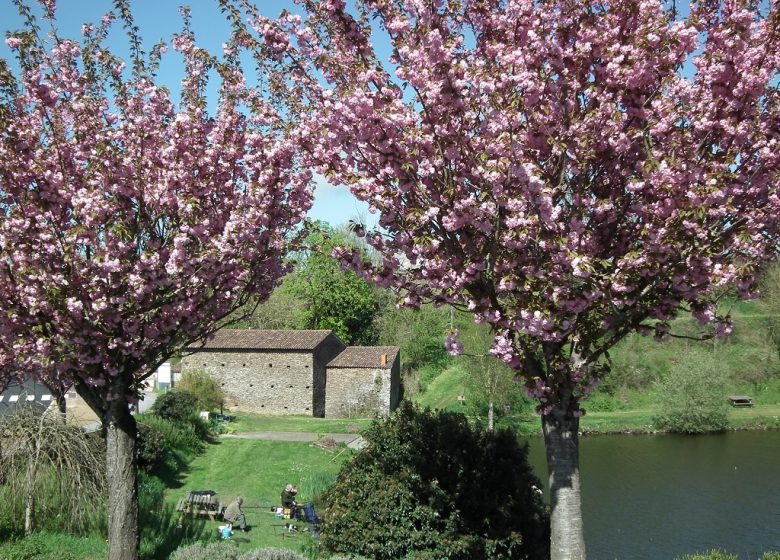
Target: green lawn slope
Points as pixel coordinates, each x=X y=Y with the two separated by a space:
x=258 y=471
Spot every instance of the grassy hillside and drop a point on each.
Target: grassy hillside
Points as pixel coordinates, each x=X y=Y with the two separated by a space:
x=627 y=399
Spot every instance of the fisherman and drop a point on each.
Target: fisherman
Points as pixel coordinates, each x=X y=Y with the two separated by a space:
x=233 y=514
x=288 y=499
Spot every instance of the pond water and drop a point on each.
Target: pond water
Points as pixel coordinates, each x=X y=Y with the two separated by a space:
x=659 y=497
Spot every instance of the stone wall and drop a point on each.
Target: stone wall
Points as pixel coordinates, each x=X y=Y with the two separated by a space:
x=362 y=392
x=324 y=353
x=268 y=382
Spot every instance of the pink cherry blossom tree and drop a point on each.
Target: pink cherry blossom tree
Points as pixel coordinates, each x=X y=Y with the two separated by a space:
x=132 y=226
x=569 y=171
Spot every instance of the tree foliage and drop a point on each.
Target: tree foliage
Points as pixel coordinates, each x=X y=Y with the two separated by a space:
x=132 y=225
x=693 y=399
x=490 y=382
x=39 y=445
x=207 y=392
x=428 y=486
x=334 y=298
x=550 y=167
x=418 y=334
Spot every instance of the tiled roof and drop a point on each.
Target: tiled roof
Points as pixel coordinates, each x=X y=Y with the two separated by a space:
x=365 y=357
x=253 y=339
x=28 y=392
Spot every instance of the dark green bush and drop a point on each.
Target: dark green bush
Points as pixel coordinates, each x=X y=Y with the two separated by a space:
x=151 y=447
x=176 y=406
x=181 y=443
x=428 y=486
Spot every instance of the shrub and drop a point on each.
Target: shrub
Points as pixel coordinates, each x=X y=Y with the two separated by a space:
x=176 y=406
x=227 y=550
x=428 y=486
x=151 y=447
x=185 y=439
x=271 y=554
x=771 y=556
x=693 y=397
x=711 y=555
x=207 y=392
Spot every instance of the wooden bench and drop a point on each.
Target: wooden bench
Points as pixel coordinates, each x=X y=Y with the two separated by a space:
x=740 y=401
x=200 y=503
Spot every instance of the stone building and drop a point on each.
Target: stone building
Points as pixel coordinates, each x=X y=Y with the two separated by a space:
x=298 y=372
x=363 y=381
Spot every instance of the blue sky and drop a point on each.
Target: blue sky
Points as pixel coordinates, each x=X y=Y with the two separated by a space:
x=158 y=19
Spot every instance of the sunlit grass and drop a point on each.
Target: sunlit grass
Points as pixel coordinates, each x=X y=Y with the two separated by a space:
x=258 y=471
x=246 y=422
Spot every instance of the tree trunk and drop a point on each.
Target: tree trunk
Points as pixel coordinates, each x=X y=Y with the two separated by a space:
x=32 y=478
x=61 y=404
x=490 y=415
x=121 y=436
x=560 y=428
x=29 y=502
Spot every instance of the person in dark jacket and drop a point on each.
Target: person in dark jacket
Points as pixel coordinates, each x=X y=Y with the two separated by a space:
x=288 y=499
x=233 y=514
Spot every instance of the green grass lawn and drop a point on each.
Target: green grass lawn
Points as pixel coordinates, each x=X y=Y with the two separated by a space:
x=246 y=422
x=54 y=546
x=442 y=392
x=258 y=471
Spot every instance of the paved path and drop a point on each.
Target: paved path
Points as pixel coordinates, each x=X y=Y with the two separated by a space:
x=352 y=440
x=291 y=436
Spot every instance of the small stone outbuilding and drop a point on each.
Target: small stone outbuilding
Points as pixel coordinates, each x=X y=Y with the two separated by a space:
x=363 y=381
x=298 y=372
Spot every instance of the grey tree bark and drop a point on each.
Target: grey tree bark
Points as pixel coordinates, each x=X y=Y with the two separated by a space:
x=29 y=501
x=121 y=437
x=560 y=429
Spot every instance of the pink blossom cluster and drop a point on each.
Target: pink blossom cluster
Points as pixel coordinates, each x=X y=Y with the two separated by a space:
x=132 y=226
x=549 y=165
x=453 y=346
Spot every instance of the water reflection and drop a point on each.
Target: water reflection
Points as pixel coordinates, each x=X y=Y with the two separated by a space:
x=659 y=497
